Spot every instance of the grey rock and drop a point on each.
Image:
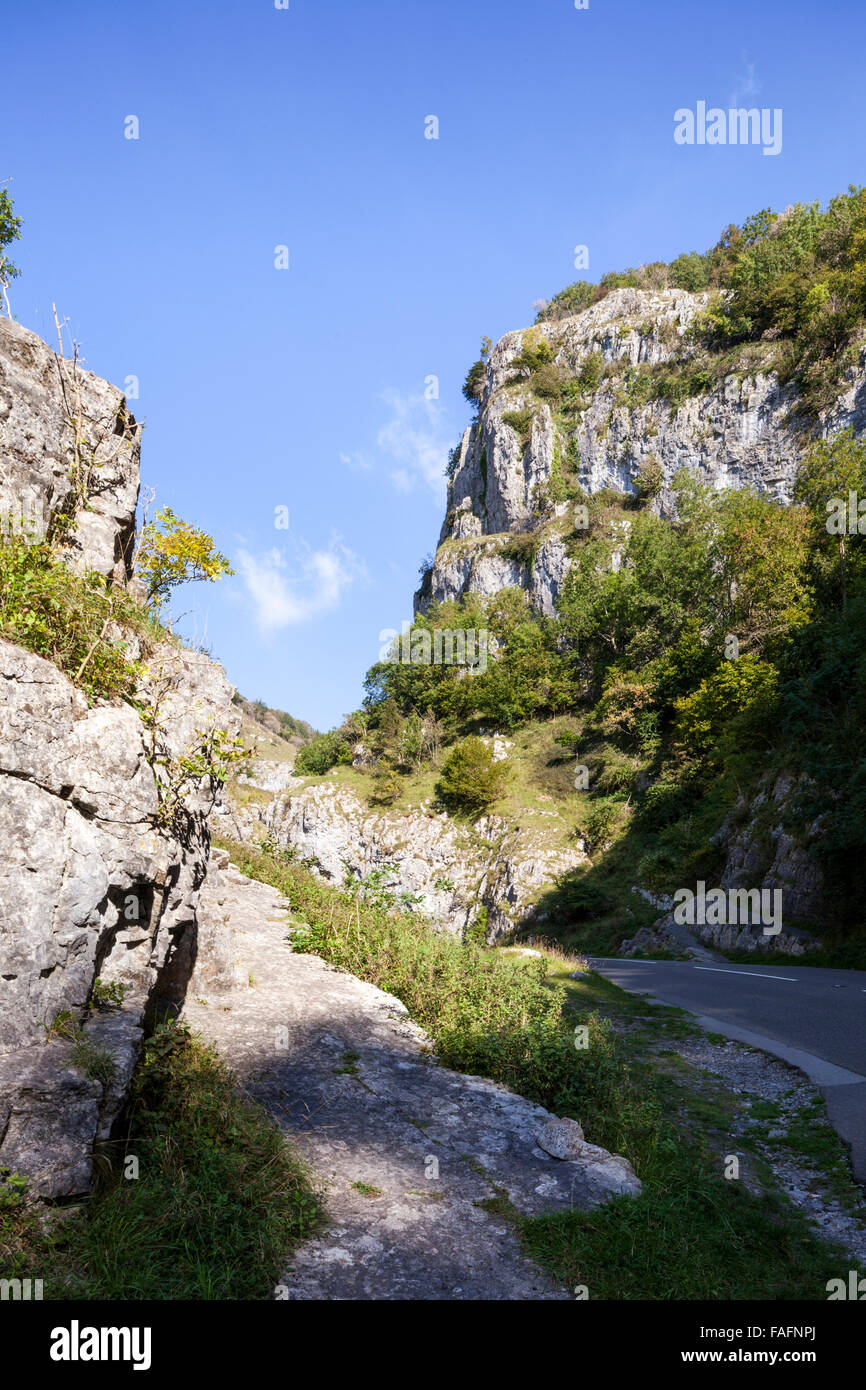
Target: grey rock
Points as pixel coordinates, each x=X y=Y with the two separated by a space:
x=743 y=433
x=44 y=404
x=91 y=884
x=436 y=1144
x=561 y=1138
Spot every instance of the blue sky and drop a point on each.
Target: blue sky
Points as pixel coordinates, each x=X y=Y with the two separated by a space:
x=305 y=388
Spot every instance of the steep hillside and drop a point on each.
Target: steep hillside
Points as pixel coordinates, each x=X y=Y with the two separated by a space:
x=636 y=562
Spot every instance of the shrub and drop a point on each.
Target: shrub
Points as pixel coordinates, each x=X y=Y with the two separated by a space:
x=650 y=477
x=76 y=621
x=10 y=230
x=323 y=753
x=589 y=375
x=521 y=422
x=738 y=699
x=172 y=552
x=470 y=780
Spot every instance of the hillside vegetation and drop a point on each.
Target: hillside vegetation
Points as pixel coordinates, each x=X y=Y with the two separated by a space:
x=796 y=279
x=691 y=661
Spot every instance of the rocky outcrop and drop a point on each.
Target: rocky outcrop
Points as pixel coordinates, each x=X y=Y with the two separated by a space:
x=97 y=882
x=412 y=1158
x=68 y=448
x=92 y=887
x=448 y=871
x=741 y=432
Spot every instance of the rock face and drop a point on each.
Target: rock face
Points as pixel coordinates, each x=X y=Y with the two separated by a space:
x=95 y=883
x=450 y=870
x=65 y=432
x=741 y=433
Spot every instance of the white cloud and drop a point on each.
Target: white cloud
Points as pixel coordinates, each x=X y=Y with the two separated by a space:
x=747 y=85
x=417 y=439
x=358 y=460
x=284 y=599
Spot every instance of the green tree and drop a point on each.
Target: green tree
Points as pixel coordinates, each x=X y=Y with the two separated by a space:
x=173 y=552
x=760 y=553
x=321 y=754
x=471 y=780
x=473 y=386
x=10 y=230
x=831 y=471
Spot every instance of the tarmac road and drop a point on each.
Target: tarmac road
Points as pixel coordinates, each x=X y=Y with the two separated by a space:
x=815 y=1019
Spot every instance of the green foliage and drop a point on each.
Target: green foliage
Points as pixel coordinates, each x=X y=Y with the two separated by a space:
x=525 y=677
x=589 y=375
x=13 y=1191
x=568 y=301
x=173 y=552
x=207 y=764
x=107 y=994
x=521 y=422
x=219 y=1202
x=76 y=621
x=796 y=280
x=471 y=780
x=522 y=546
x=488 y=1014
x=10 y=230
x=831 y=471
x=473 y=386
x=650 y=477
x=324 y=752
x=738 y=702
x=690 y=271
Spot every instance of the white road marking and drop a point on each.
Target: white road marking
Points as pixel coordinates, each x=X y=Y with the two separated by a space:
x=718 y=971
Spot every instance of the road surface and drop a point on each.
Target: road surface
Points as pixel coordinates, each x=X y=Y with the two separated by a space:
x=815 y=1019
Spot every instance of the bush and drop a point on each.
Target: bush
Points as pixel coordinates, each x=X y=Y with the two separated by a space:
x=521 y=422
x=172 y=552
x=76 y=621
x=470 y=781
x=489 y=1015
x=325 y=751
x=738 y=700
x=650 y=477
x=589 y=375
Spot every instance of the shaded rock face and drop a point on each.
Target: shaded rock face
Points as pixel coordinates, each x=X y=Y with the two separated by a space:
x=742 y=433
x=450 y=870
x=62 y=430
x=93 y=885
x=90 y=887
x=761 y=852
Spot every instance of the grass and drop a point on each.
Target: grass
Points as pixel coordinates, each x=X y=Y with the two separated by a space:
x=488 y=1014
x=75 y=621
x=834 y=955
x=692 y=1234
x=219 y=1202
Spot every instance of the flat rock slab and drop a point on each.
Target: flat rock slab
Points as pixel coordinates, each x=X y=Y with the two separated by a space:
x=404 y=1149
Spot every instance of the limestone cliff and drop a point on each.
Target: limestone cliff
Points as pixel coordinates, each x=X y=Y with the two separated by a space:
x=583 y=423
x=452 y=872
x=96 y=882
